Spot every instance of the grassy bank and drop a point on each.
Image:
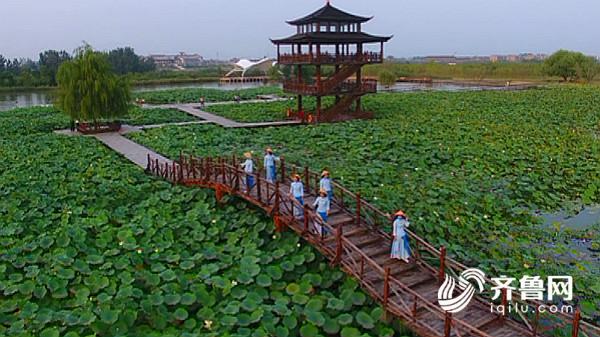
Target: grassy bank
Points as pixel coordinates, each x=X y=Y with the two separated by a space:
x=491 y=71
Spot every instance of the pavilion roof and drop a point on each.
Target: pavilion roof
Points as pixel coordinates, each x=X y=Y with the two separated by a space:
x=332 y=38
x=328 y=13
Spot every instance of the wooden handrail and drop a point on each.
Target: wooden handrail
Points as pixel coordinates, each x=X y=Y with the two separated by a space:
x=231 y=173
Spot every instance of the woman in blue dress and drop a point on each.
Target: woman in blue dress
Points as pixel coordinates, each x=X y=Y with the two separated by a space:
x=297 y=192
x=269 y=163
x=325 y=184
x=400 y=246
x=323 y=205
x=248 y=167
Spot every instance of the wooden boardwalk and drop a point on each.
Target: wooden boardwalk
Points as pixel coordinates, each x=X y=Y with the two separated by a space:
x=358 y=242
x=131 y=150
x=195 y=110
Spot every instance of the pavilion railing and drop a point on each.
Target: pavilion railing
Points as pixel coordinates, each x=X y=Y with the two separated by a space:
x=327 y=58
x=348 y=86
x=395 y=296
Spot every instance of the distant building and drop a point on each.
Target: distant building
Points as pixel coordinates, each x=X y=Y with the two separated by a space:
x=180 y=61
x=164 y=61
x=189 y=61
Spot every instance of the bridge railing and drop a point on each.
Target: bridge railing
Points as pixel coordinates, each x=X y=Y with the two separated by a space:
x=438 y=262
x=228 y=172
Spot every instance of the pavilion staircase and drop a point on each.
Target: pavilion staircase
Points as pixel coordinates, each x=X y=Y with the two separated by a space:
x=337 y=79
x=358 y=241
x=340 y=108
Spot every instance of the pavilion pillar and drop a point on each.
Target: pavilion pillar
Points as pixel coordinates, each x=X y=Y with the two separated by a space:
x=299 y=81
x=318 y=108
x=318 y=51
x=319 y=81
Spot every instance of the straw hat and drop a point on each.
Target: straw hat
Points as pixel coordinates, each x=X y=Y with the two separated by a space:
x=270 y=150
x=248 y=155
x=297 y=176
x=325 y=173
x=401 y=213
x=322 y=191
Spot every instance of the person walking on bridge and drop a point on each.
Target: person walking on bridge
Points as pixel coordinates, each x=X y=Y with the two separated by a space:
x=325 y=184
x=297 y=192
x=323 y=206
x=248 y=167
x=400 y=245
x=271 y=171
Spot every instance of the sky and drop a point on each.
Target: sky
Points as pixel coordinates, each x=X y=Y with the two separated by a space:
x=241 y=28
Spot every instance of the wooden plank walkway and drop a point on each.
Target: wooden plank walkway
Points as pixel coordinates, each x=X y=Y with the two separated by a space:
x=133 y=151
x=195 y=110
x=356 y=242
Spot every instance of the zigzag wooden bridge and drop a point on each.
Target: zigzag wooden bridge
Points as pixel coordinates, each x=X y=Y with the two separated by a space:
x=359 y=244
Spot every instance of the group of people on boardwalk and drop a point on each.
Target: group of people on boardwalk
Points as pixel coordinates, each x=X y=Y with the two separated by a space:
x=323 y=203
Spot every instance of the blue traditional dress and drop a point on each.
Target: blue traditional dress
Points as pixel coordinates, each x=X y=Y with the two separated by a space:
x=322 y=204
x=400 y=246
x=297 y=190
x=269 y=164
x=248 y=166
x=325 y=184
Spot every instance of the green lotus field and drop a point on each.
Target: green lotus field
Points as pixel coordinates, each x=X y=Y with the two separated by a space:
x=91 y=246
x=210 y=95
x=470 y=168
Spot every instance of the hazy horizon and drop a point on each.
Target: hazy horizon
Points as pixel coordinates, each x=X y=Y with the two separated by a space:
x=238 y=28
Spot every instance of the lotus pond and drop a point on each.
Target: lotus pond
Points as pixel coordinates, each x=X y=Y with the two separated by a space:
x=192 y=95
x=30 y=120
x=469 y=167
x=91 y=246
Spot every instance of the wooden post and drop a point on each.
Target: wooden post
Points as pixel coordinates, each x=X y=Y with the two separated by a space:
x=306 y=180
x=149 y=163
x=278 y=224
x=223 y=173
x=442 y=271
x=157 y=167
x=282 y=160
x=193 y=168
x=448 y=324
x=536 y=322
x=181 y=173
x=414 y=308
x=386 y=288
x=504 y=303
x=258 y=188
x=219 y=192
x=362 y=266
x=306 y=218
x=358 y=208
x=576 y=320
x=338 y=247
x=277 y=197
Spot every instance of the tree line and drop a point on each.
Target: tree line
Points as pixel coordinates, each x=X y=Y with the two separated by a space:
x=568 y=66
x=43 y=72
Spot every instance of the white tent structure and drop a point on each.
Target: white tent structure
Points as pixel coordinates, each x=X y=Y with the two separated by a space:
x=243 y=66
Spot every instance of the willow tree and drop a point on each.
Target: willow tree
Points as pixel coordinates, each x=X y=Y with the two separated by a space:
x=89 y=91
